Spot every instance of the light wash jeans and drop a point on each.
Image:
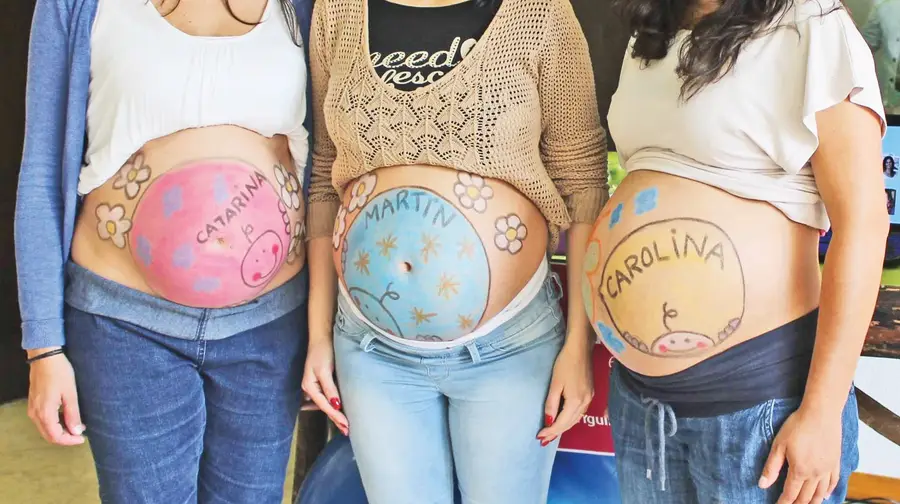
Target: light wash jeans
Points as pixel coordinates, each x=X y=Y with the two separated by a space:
x=422 y=420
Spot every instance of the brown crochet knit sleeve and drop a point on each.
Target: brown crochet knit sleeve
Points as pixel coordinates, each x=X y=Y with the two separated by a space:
x=573 y=142
x=323 y=198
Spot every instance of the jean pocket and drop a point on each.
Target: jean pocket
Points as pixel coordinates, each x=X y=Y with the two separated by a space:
x=348 y=324
x=777 y=412
x=528 y=328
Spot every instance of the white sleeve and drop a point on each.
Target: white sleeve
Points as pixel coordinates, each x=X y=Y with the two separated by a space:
x=839 y=65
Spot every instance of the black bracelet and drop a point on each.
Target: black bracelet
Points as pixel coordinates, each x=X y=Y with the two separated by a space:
x=44 y=355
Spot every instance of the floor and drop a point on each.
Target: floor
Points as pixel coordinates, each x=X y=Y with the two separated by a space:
x=34 y=472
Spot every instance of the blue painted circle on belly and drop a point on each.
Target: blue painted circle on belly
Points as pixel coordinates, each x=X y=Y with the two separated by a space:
x=444 y=293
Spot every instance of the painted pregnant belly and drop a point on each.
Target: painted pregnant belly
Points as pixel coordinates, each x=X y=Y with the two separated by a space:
x=210 y=234
x=672 y=287
x=415 y=266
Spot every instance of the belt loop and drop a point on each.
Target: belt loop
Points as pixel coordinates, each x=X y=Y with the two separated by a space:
x=367 y=343
x=473 y=352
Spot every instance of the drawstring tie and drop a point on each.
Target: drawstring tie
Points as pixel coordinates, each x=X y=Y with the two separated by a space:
x=663 y=411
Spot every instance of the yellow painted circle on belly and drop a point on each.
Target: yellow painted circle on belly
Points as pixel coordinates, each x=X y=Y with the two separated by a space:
x=673 y=287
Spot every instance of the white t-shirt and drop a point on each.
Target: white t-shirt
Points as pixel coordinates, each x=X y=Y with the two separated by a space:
x=753 y=132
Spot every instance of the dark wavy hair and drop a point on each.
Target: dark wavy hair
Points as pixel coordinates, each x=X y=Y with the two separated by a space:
x=715 y=40
x=287 y=10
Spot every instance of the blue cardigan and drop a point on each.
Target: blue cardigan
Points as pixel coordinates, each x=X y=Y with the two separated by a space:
x=59 y=64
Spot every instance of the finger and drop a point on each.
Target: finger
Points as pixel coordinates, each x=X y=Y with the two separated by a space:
x=773 y=467
x=792 y=488
x=566 y=419
x=808 y=492
x=326 y=381
x=835 y=479
x=53 y=429
x=71 y=413
x=821 y=491
x=551 y=407
x=313 y=388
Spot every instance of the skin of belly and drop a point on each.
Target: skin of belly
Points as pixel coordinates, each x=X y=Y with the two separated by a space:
x=677 y=271
x=430 y=254
x=209 y=217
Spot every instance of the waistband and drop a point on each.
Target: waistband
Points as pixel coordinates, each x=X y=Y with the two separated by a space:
x=542 y=305
x=91 y=293
x=521 y=300
x=773 y=365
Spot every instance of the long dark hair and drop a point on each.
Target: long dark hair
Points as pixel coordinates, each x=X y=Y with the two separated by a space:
x=888 y=166
x=287 y=10
x=715 y=41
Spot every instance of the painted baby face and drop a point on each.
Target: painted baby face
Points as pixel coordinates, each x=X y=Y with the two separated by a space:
x=210 y=234
x=263 y=259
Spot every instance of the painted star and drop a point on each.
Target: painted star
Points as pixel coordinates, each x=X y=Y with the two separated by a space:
x=387 y=244
x=447 y=287
x=465 y=322
x=467 y=249
x=419 y=316
x=362 y=263
x=430 y=246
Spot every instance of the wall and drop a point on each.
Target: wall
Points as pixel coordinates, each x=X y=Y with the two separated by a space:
x=15 y=19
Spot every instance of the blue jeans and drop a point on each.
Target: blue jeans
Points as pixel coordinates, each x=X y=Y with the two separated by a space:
x=706 y=460
x=173 y=420
x=420 y=418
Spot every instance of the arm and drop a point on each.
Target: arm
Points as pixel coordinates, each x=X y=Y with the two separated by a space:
x=323 y=198
x=573 y=148
x=849 y=135
x=39 y=201
x=318 y=378
x=38 y=227
x=810 y=440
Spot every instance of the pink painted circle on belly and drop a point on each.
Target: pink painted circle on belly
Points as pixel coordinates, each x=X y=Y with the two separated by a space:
x=209 y=234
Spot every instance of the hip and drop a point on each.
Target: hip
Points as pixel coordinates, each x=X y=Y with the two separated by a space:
x=539 y=323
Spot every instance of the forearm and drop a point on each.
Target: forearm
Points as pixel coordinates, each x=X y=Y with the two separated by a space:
x=850 y=284
x=579 y=331
x=322 y=288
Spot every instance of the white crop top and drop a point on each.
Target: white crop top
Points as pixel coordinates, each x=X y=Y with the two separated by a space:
x=149 y=79
x=753 y=132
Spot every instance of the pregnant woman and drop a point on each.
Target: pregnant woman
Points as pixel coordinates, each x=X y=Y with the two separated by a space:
x=158 y=237
x=454 y=141
x=737 y=126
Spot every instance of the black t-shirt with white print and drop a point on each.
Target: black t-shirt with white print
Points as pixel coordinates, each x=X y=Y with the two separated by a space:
x=414 y=46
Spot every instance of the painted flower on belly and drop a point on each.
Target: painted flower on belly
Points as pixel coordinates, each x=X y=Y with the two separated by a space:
x=340 y=225
x=511 y=231
x=472 y=192
x=361 y=191
x=295 y=242
x=284 y=217
x=112 y=224
x=132 y=175
x=289 y=187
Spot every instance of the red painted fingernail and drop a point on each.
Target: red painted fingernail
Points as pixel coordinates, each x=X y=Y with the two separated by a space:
x=548 y=420
x=335 y=403
x=545 y=442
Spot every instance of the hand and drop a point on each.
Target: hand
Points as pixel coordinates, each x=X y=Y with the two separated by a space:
x=52 y=394
x=573 y=385
x=810 y=443
x=318 y=382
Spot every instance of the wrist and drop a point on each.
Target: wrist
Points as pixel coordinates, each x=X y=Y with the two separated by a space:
x=34 y=352
x=823 y=405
